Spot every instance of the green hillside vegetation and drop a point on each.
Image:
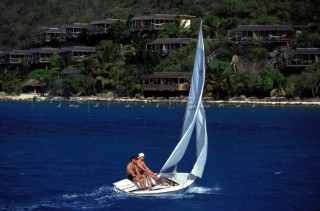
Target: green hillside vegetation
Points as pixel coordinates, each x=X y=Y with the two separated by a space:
x=121 y=62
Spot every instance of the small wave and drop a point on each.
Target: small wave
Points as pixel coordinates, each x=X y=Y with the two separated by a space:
x=97 y=192
x=204 y=190
x=99 y=198
x=69 y=196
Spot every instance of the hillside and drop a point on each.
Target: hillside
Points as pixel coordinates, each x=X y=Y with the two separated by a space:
x=21 y=19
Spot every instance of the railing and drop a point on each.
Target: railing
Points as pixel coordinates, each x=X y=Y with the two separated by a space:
x=15 y=60
x=97 y=31
x=44 y=60
x=261 y=38
x=300 y=62
x=148 y=27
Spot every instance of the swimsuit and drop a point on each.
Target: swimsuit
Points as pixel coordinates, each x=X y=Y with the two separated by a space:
x=130 y=177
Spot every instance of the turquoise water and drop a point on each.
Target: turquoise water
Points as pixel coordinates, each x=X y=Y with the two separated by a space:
x=66 y=156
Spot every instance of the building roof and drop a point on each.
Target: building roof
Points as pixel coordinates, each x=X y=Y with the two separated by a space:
x=154 y=16
x=160 y=16
x=106 y=21
x=171 y=75
x=18 y=52
x=44 y=50
x=32 y=82
x=52 y=30
x=78 y=49
x=171 y=41
x=75 y=25
x=70 y=71
x=307 y=51
x=263 y=28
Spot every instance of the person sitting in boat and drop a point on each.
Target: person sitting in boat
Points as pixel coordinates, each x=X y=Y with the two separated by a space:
x=134 y=174
x=143 y=169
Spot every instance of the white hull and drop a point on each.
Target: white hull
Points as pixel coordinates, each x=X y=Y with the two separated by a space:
x=178 y=184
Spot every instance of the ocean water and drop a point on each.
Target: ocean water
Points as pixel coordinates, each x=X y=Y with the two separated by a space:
x=62 y=156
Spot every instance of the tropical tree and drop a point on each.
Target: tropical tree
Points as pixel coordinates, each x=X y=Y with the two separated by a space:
x=177 y=61
x=25 y=64
x=107 y=62
x=129 y=80
x=280 y=85
x=66 y=61
x=177 y=29
x=46 y=77
x=243 y=82
x=140 y=39
x=272 y=81
x=129 y=52
x=310 y=81
x=54 y=61
x=220 y=77
x=78 y=84
x=292 y=87
x=254 y=51
x=212 y=25
x=118 y=32
x=10 y=81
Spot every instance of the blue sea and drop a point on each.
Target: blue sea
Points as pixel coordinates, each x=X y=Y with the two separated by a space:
x=64 y=156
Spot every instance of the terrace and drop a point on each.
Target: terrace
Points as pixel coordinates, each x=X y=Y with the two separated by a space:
x=50 y=34
x=101 y=26
x=74 y=30
x=42 y=55
x=168 y=81
x=303 y=57
x=166 y=45
x=15 y=56
x=265 y=33
x=78 y=52
x=156 y=22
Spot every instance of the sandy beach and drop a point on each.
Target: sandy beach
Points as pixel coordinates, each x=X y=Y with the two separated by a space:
x=235 y=102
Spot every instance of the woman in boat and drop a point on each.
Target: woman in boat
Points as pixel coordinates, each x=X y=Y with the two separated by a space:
x=144 y=170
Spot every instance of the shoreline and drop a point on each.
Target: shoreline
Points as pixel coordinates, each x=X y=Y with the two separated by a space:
x=245 y=102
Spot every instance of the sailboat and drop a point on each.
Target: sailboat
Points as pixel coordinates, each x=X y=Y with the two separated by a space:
x=194 y=119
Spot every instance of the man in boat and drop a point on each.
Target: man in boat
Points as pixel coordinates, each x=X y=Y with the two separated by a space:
x=143 y=169
x=134 y=174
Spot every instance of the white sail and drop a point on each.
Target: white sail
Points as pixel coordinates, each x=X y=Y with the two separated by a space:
x=194 y=116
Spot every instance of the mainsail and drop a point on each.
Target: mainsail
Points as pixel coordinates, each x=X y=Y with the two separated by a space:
x=194 y=116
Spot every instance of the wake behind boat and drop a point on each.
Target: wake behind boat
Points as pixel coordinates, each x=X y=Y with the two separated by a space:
x=194 y=118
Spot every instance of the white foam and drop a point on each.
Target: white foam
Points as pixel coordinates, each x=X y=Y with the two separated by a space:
x=103 y=190
x=204 y=190
x=70 y=196
x=180 y=196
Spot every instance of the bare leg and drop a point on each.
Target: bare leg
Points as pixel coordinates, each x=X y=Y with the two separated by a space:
x=141 y=180
x=157 y=179
x=150 y=181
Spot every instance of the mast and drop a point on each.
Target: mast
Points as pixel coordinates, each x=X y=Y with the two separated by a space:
x=194 y=116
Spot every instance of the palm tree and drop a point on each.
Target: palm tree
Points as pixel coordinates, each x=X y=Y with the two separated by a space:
x=212 y=25
x=177 y=29
x=106 y=63
x=220 y=77
x=66 y=61
x=139 y=40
